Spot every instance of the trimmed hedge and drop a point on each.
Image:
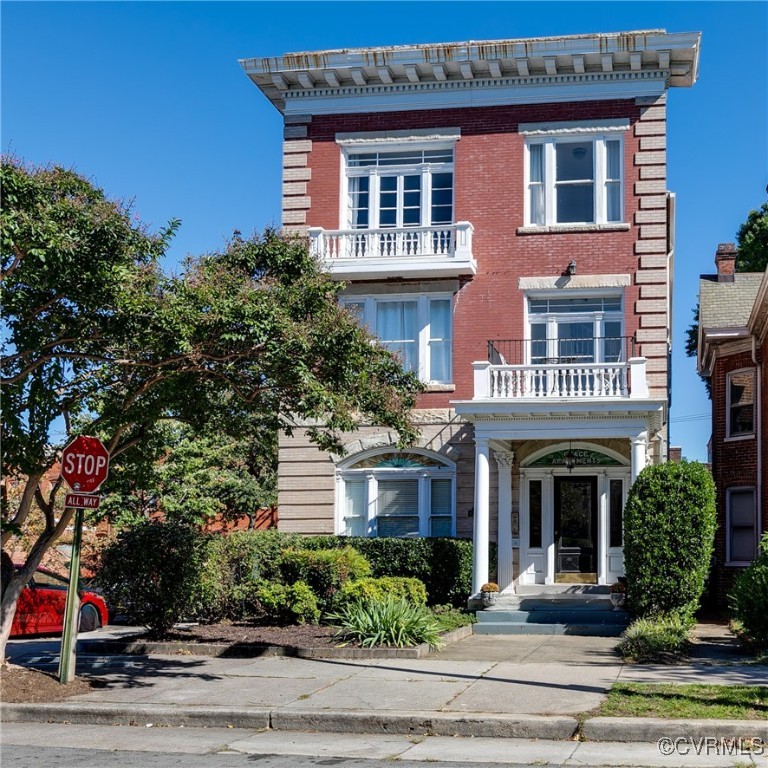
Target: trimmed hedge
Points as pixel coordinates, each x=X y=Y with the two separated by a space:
x=749 y=598
x=669 y=529
x=325 y=571
x=399 y=588
x=443 y=564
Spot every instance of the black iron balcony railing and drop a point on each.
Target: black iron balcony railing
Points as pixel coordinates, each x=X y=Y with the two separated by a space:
x=609 y=349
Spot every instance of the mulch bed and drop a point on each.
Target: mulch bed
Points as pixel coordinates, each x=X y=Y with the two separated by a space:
x=21 y=685
x=300 y=635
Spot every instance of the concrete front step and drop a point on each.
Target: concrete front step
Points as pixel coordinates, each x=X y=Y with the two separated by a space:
x=562 y=590
x=553 y=616
x=548 y=603
x=509 y=628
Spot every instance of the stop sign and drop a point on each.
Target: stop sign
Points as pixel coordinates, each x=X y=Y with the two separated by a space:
x=85 y=464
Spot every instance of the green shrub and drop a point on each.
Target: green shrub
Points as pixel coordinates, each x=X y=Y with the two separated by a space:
x=151 y=573
x=409 y=589
x=443 y=564
x=669 y=528
x=749 y=598
x=273 y=603
x=449 y=618
x=235 y=559
x=659 y=639
x=386 y=622
x=325 y=571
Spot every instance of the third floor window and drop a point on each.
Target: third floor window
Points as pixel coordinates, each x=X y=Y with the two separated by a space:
x=407 y=187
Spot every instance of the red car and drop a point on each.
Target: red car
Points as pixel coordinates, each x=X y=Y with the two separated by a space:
x=40 y=609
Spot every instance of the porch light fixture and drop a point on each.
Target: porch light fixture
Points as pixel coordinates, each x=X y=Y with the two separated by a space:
x=569 y=459
x=571 y=267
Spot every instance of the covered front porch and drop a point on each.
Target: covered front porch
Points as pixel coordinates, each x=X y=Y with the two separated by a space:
x=561 y=472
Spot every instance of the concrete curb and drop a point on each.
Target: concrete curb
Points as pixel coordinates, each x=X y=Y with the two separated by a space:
x=327 y=720
x=652 y=729
x=478 y=724
x=426 y=723
x=135 y=714
x=256 y=650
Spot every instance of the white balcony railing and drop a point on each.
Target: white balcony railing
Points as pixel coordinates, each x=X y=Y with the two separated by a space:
x=571 y=380
x=439 y=249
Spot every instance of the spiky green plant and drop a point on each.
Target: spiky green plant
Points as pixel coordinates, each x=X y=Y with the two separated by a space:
x=392 y=622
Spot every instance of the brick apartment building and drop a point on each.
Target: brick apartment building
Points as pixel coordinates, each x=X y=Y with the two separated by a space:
x=733 y=325
x=500 y=215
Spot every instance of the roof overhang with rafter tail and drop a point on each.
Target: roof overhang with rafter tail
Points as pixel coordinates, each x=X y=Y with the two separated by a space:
x=534 y=70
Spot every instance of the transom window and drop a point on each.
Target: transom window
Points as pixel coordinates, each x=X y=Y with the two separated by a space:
x=741 y=403
x=399 y=188
x=397 y=494
x=584 y=329
x=417 y=328
x=574 y=180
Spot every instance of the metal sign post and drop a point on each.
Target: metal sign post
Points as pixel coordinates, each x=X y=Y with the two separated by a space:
x=67 y=657
x=84 y=466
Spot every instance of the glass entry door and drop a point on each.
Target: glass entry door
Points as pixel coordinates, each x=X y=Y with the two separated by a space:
x=576 y=530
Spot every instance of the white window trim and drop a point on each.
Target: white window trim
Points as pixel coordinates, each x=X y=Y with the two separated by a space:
x=422 y=318
x=551 y=319
x=548 y=139
x=350 y=146
x=728 y=493
x=747 y=435
x=371 y=476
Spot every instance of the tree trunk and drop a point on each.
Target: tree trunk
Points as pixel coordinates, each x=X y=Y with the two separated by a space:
x=8 y=610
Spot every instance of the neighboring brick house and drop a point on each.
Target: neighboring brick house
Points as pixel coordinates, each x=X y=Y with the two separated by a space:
x=733 y=325
x=500 y=213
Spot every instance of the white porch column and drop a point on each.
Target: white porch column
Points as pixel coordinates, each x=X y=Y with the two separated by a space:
x=639 y=454
x=482 y=515
x=504 y=460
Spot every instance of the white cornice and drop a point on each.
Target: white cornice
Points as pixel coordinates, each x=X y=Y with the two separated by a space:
x=355 y=74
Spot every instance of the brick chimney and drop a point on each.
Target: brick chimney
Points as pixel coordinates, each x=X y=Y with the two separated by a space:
x=725 y=261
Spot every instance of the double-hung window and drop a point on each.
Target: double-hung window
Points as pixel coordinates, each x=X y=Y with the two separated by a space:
x=418 y=328
x=580 y=330
x=574 y=173
x=741 y=532
x=397 y=494
x=740 y=403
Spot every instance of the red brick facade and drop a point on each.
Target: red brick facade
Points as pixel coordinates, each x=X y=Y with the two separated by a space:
x=489 y=193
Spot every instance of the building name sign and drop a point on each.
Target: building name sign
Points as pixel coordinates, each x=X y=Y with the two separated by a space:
x=582 y=457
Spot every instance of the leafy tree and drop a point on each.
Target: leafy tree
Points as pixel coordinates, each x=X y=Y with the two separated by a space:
x=195 y=477
x=752 y=239
x=100 y=341
x=752 y=256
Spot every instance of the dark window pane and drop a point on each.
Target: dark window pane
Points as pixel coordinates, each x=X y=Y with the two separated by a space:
x=574 y=161
x=575 y=203
x=534 y=505
x=741 y=393
x=617 y=513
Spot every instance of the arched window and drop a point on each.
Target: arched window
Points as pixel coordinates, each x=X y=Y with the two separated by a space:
x=396 y=493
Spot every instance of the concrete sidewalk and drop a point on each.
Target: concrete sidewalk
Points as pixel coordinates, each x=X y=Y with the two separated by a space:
x=483 y=686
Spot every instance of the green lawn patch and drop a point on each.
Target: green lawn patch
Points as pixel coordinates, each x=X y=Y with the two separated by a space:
x=667 y=700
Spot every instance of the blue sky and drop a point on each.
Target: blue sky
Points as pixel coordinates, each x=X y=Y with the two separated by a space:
x=148 y=100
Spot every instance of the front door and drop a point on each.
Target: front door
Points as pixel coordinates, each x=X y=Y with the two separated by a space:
x=576 y=530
